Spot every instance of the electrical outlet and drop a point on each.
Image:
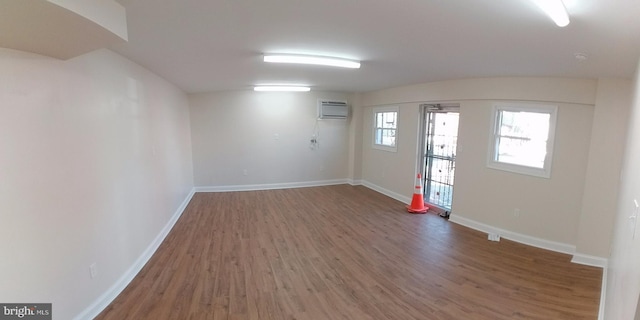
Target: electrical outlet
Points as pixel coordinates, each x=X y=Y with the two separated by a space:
x=245 y=172
x=516 y=212
x=93 y=270
x=313 y=142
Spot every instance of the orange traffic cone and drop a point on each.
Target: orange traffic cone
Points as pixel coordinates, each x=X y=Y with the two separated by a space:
x=417 y=203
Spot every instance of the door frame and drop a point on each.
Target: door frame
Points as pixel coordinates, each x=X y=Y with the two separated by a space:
x=424 y=109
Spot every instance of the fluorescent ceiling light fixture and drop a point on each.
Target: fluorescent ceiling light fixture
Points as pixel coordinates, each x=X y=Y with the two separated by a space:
x=281 y=88
x=317 y=60
x=555 y=10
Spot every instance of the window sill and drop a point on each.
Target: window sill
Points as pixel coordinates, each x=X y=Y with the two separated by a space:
x=524 y=170
x=385 y=148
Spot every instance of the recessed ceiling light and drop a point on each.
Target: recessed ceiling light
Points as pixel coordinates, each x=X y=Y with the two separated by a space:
x=316 y=60
x=281 y=88
x=555 y=10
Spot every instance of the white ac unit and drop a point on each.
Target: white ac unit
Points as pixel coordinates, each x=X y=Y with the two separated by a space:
x=332 y=109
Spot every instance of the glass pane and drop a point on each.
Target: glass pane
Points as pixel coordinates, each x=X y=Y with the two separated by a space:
x=442 y=170
x=530 y=125
x=522 y=152
x=389 y=137
x=378 y=136
x=389 y=120
x=445 y=130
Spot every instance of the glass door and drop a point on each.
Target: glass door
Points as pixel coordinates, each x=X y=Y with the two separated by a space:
x=440 y=134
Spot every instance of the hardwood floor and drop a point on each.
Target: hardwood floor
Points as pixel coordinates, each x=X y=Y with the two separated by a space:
x=344 y=252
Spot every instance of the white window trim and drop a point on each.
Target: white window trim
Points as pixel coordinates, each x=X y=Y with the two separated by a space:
x=373 y=132
x=520 y=169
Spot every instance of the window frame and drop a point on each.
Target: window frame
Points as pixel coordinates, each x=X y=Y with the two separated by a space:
x=492 y=162
x=385 y=147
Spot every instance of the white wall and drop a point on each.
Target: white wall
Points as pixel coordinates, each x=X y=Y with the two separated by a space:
x=392 y=172
x=95 y=160
x=623 y=275
x=97 y=157
x=551 y=210
x=600 y=195
x=267 y=134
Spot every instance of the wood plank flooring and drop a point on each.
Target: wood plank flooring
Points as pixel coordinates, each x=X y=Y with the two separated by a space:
x=344 y=252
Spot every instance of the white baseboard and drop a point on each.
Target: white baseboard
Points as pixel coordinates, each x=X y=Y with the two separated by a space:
x=521 y=238
x=271 y=186
x=524 y=239
x=603 y=293
x=106 y=298
x=386 y=192
x=578 y=258
x=514 y=236
x=589 y=260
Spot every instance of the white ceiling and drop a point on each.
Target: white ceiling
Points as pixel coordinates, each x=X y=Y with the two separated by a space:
x=213 y=45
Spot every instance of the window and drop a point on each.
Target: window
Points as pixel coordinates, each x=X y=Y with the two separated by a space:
x=385 y=128
x=522 y=139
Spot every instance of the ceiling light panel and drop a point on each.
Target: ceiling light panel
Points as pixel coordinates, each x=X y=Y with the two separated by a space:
x=314 y=60
x=555 y=9
x=281 y=88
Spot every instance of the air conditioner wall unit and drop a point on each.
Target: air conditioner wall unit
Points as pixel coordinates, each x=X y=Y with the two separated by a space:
x=330 y=109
